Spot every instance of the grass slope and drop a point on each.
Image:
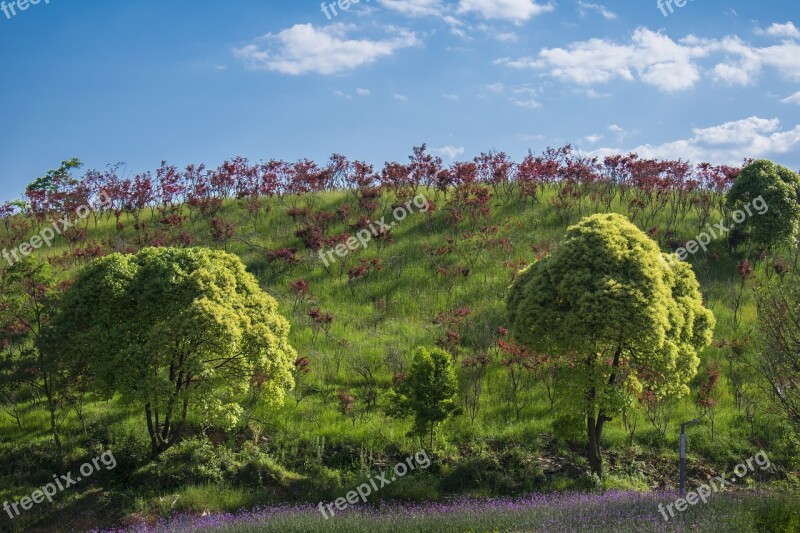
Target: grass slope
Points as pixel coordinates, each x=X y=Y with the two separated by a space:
x=317 y=452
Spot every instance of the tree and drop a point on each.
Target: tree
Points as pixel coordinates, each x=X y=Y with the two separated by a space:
x=56 y=179
x=175 y=331
x=429 y=392
x=778 y=188
x=625 y=318
x=707 y=400
x=779 y=335
x=520 y=364
x=28 y=301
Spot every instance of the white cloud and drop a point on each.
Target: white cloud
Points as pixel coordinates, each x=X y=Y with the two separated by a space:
x=591 y=93
x=457 y=27
x=400 y=97
x=303 y=49
x=506 y=37
x=732 y=74
x=414 y=8
x=527 y=90
x=784 y=57
x=729 y=143
x=788 y=30
x=525 y=97
x=496 y=87
x=528 y=103
x=658 y=60
x=453 y=97
x=516 y=11
x=793 y=99
x=593 y=138
x=496 y=34
x=584 y=7
x=358 y=92
x=618 y=132
x=531 y=138
x=655 y=58
x=450 y=152
x=427 y=8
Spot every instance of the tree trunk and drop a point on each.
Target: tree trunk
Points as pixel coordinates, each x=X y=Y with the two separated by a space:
x=52 y=408
x=151 y=430
x=54 y=425
x=593 y=450
x=594 y=423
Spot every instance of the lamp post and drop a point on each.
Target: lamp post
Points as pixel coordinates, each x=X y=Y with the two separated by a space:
x=683 y=452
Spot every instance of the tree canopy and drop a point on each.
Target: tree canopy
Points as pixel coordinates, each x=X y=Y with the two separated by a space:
x=429 y=392
x=175 y=330
x=779 y=187
x=621 y=317
x=28 y=300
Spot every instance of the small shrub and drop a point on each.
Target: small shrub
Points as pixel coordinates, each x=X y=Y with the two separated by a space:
x=320 y=483
x=256 y=468
x=193 y=461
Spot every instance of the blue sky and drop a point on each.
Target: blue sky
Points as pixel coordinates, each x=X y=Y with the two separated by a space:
x=196 y=81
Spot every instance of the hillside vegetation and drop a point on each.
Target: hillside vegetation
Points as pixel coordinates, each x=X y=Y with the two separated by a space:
x=435 y=274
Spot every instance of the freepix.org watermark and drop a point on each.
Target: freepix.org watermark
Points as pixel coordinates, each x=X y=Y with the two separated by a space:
x=59 y=484
x=10 y=8
x=47 y=235
x=702 y=240
x=344 y=5
x=361 y=493
x=665 y=5
x=718 y=483
x=364 y=235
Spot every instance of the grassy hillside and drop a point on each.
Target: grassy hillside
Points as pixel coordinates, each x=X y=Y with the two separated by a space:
x=437 y=282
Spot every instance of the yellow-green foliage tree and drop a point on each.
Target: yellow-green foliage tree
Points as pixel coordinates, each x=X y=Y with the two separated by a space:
x=175 y=331
x=621 y=315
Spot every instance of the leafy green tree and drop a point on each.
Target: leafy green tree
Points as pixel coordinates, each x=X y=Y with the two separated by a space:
x=56 y=178
x=429 y=392
x=28 y=300
x=778 y=188
x=175 y=331
x=622 y=316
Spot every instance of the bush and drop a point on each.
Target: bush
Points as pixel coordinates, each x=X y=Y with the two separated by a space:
x=512 y=472
x=419 y=487
x=130 y=449
x=252 y=467
x=192 y=461
x=473 y=473
x=322 y=483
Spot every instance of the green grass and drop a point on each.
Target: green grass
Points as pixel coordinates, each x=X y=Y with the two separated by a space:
x=377 y=325
x=611 y=513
